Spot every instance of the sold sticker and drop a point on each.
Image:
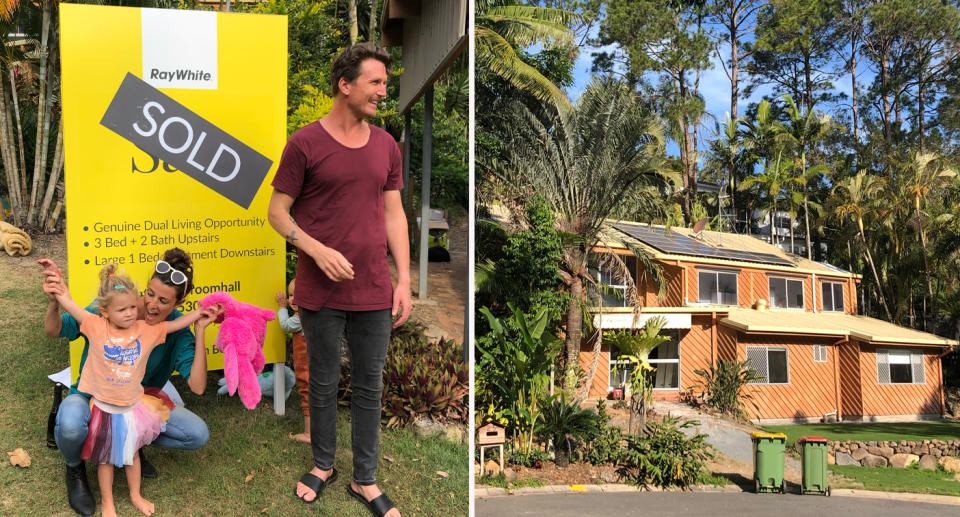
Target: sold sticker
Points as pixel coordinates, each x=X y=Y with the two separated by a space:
x=168 y=130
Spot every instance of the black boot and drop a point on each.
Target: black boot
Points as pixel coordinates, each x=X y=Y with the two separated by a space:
x=147 y=469
x=78 y=490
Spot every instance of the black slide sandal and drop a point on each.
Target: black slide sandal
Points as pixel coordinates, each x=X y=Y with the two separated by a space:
x=378 y=507
x=316 y=484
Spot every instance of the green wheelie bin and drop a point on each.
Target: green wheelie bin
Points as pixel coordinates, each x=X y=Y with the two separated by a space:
x=768 y=452
x=813 y=460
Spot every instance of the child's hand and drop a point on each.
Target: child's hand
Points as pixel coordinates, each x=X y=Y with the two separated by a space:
x=281 y=299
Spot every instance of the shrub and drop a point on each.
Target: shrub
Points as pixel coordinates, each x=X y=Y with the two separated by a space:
x=665 y=456
x=532 y=458
x=562 y=420
x=607 y=447
x=421 y=378
x=723 y=385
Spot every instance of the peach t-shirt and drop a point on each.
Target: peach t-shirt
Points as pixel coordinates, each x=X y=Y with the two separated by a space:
x=117 y=360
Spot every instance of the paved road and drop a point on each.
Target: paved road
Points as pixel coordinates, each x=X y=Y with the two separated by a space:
x=703 y=504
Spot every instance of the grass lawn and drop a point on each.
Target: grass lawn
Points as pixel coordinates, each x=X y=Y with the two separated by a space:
x=888 y=479
x=211 y=481
x=910 y=431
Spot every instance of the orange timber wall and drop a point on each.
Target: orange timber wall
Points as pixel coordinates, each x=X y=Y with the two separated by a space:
x=900 y=399
x=812 y=390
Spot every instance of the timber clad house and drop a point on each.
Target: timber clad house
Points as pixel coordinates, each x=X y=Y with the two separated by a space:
x=734 y=298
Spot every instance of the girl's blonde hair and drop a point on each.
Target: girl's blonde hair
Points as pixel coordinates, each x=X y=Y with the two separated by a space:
x=112 y=282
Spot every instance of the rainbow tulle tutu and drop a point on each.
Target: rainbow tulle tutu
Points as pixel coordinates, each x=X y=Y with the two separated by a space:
x=116 y=437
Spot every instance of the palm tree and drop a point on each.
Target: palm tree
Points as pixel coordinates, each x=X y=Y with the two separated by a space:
x=501 y=27
x=804 y=131
x=924 y=173
x=581 y=162
x=773 y=180
x=853 y=197
x=636 y=348
x=726 y=156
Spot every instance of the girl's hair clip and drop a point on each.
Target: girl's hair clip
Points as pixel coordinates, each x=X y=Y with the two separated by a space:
x=119 y=286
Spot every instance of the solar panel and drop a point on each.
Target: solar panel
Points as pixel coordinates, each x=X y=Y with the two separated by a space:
x=677 y=244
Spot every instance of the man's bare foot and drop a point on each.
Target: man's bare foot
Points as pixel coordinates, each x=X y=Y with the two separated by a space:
x=107 y=509
x=300 y=437
x=371 y=492
x=145 y=507
x=304 y=492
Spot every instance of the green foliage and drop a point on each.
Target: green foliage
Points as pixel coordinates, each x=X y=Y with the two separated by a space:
x=533 y=458
x=513 y=365
x=314 y=36
x=635 y=347
x=665 y=457
x=523 y=271
x=608 y=446
x=314 y=105
x=564 y=420
x=423 y=378
x=723 y=385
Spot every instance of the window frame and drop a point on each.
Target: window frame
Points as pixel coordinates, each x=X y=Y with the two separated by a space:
x=833 y=300
x=786 y=287
x=767 y=350
x=613 y=361
x=823 y=349
x=622 y=288
x=717 y=292
x=883 y=359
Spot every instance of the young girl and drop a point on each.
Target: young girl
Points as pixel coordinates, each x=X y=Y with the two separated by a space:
x=122 y=418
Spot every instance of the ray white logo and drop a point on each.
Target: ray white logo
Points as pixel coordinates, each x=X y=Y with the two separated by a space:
x=179 y=48
x=169 y=131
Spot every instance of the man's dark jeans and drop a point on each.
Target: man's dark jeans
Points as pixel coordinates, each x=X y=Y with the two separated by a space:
x=368 y=334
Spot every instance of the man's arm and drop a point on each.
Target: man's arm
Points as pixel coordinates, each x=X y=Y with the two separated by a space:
x=399 y=244
x=329 y=260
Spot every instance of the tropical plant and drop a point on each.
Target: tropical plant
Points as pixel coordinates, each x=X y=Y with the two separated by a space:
x=607 y=446
x=852 y=198
x=635 y=349
x=665 y=456
x=722 y=385
x=564 y=420
x=513 y=369
x=581 y=164
x=805 y=131
x=424 y=378
x=502 y=27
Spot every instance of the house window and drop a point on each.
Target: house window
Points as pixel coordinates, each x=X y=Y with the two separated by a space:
x=786 y=293
x=819 y=353
x=665 y=359
x=614 y=286
x=717 y=288
x=770 y=364
x=900 y=367
x=832 y=296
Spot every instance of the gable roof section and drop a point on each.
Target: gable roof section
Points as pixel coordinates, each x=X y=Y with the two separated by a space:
x=836 y=325
x=713 y=248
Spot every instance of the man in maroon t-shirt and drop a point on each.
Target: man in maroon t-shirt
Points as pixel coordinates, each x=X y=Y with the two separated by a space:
x=337 y=199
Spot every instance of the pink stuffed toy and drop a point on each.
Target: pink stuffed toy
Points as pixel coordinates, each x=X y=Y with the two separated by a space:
x=243 y=329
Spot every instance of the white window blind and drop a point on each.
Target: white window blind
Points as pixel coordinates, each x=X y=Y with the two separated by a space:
x=819 y=353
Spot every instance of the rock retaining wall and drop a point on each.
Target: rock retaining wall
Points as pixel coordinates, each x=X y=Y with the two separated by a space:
x=899 y=454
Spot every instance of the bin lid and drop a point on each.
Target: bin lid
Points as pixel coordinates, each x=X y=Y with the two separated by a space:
x=771 y=436
x=813 y=439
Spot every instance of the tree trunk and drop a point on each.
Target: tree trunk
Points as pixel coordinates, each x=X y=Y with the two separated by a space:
x=43 y=115
x=55 y=169
x=595 y=359
x=574 y=330
x=806 y=224
x=876 y=277
x=920 y=115
x=372 y=30
x=352 y=20
x=9 y=159
x=853 y=95
x=562 y=454
x=16 y=114
x=885 y=97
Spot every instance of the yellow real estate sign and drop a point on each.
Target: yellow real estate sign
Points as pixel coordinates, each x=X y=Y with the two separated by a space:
x=173 y=125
